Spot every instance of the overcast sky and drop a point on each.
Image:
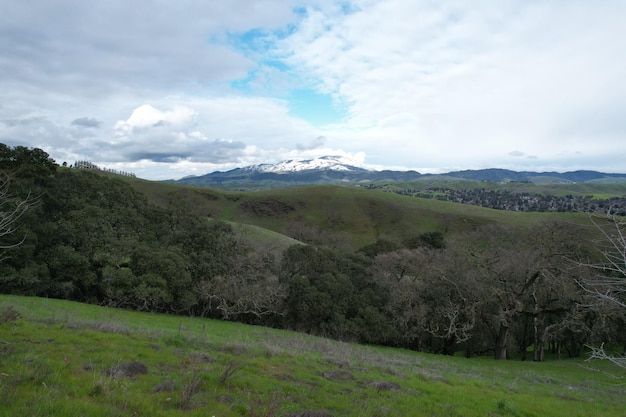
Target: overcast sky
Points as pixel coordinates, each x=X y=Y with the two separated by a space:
x=168 y=89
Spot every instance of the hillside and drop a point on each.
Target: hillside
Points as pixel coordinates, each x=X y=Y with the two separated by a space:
x=576 y=191
x=67 y=359
x=347 y=263
x=342 y=217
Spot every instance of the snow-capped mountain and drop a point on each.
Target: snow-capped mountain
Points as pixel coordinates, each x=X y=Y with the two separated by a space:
x=341 y=170
x=332 y=163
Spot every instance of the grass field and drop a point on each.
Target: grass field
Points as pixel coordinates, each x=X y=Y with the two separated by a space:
x=59 y=358
x=345 y=218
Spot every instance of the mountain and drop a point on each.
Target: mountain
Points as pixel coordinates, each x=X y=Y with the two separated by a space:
x=341 y=170
x=330 y=163
x=505 y=175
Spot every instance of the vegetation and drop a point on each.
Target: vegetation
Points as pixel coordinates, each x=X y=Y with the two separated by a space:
x=606 y=285
x=350 y=264
x=530 y=197
x=66 y=359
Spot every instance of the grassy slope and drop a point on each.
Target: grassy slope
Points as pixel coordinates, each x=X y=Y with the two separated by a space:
x=352 y=216
x=58 y=357
x=595 y=189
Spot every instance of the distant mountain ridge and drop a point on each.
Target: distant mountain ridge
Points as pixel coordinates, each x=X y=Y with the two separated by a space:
x=341 y=170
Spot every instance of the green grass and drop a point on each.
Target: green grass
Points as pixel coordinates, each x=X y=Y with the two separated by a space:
x=269 y=240
x=348 y=218
x=68 y=359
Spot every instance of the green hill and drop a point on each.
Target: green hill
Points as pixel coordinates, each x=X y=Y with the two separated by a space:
x=343 y=217
x=59 y=358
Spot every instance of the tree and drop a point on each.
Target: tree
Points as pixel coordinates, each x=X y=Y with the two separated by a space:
x=606 y=284
x=432 y=303
x=33 y=165
x=434 y=240
x=524 y=282
x=11 y=210
x=332 y=294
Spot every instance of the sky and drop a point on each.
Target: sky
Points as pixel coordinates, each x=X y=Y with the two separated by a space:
x=187 y=87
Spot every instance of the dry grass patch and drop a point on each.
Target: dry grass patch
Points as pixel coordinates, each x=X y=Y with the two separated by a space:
x=338 y=375
x=9 y=314
x=126 y=370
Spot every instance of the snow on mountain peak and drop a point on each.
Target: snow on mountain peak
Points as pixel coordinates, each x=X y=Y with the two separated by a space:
x=333 y=163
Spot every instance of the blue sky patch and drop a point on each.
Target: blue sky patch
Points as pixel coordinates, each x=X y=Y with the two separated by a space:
x=319 y=109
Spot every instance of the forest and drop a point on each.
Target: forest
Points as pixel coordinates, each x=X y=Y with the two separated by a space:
x=502 y=289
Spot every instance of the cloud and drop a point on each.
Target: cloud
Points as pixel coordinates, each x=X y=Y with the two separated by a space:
x=228 y=131
x=88 y=122
x=33 y=132
x=477 y=78
x=318 y=142
x=91 y=49
x=177 y=86
x=148 y=116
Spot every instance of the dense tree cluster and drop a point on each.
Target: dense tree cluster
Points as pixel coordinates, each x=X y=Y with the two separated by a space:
x=523 y=201
x=497 y=289
x=93 y=238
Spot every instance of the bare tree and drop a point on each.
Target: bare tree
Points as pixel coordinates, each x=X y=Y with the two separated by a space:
x=236 y=296
x=606 y=283
x=12 y=209
x=520 y=279
x=609 y=285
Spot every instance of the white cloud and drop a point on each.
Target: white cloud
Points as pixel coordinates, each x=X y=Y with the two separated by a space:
x=468 y=81
x=146 y=116
x=163 y=88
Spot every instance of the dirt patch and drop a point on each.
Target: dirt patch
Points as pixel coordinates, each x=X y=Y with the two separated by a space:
x=385 y=386
x=165 y=386
x=202 y=358
x=9 y=314
x=233 y=349
x=338 y=375
x=127 y=370
x=105 y=327
x=311 y=414
x=195 y=358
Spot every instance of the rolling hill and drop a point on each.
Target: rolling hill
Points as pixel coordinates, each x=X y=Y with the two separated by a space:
x=336 y=216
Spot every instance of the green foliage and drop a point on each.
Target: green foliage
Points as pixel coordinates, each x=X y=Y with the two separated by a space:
x=332 y=295
x=94 y=238
x=26 y=163
x=433 y=240
x=378 y=247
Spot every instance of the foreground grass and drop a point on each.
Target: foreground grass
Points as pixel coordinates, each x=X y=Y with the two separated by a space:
x=68 y=359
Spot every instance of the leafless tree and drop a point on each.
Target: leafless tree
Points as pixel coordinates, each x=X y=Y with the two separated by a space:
x=12 y=209
x=238 y=296
x=521 y=277
x=606 y=282
x=608 y=285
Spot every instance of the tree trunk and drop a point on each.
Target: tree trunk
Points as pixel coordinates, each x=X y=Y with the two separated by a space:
x=538 y=351
x=539 y=354
x=501 y=341
x=523 y=346
x=449 y=345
